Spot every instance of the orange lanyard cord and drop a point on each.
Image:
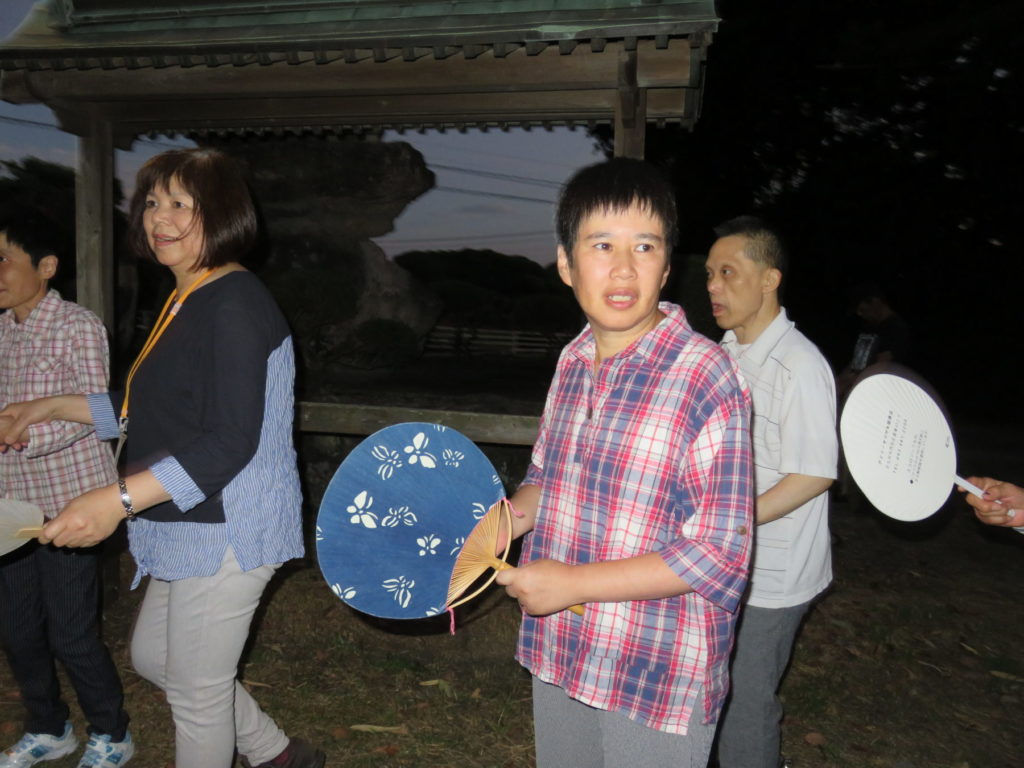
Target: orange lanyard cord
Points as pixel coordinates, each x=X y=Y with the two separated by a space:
x=159 y=327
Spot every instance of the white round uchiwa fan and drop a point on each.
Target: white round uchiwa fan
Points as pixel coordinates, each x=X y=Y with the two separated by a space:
x=19 y=522
x=899 y=447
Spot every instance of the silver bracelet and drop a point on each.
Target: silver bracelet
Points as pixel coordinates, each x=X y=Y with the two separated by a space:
x=126 y=500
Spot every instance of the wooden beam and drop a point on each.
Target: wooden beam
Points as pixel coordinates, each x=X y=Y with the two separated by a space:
x=363 y=110
x=94 y=220
x=514 y=72
x=345 y=419
x=630 y=109
x=584 y=86
x=662 y=104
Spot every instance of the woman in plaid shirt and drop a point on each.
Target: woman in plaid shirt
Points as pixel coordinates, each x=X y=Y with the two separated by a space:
x=638 y=500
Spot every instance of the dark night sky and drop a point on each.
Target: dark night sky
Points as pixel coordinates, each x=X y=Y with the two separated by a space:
x=886 y=139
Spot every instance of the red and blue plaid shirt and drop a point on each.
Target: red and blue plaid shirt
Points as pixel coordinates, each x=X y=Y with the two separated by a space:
x=60 y=349
x=650 y=454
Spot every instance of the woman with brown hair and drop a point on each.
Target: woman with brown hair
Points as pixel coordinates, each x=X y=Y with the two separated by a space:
x=211 y=489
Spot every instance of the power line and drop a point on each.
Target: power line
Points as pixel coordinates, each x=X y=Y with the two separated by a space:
x=478 y=193
x=502 y=176
x=160 y=143
x=460 y=238
x=53 y=127
x=487 y=174
x=476 y=172
x=25 y=121
x=415 y=140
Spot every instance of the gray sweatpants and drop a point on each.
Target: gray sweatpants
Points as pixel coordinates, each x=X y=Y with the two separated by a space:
x=569 y=733
x=749 y=728
x=188 y=639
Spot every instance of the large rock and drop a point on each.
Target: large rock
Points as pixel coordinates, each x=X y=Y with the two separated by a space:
x=322 y=201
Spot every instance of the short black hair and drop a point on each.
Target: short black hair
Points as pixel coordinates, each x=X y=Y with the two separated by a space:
x=31 y=231
x=223 y=205
x=764 y=243
x=616 y=185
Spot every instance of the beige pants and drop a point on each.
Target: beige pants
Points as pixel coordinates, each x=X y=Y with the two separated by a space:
x=188 y=638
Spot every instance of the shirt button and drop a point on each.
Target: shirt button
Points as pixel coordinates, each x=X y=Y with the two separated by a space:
x=742 y=530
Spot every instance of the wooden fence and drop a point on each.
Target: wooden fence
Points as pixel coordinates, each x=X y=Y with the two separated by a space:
x=347 y=419
x=350 y=419
x=452 y=340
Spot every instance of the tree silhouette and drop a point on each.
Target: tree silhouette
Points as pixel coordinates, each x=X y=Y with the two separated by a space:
x=885 y=138
x=49 y=190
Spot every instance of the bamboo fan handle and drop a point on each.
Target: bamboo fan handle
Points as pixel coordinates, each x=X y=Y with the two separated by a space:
x=501 y=565
x=478 y=554
x=28 y=533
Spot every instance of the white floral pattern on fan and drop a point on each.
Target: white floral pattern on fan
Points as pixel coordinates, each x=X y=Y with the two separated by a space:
x=345 y=593
x=389 y=461
x=428 y=544
x=360 y=512
x=452 y=458
x=400 y=515
x=401 y=588
x=396 y=515
x=418 y=452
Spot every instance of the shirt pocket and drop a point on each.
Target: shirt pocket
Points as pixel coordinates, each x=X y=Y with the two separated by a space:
x=46 y=364
x=45 y=377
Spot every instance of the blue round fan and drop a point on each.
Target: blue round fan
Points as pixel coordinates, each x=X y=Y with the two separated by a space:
x=396 y=514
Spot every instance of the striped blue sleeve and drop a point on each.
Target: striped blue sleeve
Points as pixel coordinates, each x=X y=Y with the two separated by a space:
x=172 y=476
x=103 y=417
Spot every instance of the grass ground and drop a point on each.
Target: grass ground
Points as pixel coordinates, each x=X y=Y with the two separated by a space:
x=914 y=659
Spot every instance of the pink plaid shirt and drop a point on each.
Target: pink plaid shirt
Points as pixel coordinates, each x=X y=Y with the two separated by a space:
x=650 y=454
x=60 y=349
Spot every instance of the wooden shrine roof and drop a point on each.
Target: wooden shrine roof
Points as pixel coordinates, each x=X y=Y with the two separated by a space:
x=256 y=65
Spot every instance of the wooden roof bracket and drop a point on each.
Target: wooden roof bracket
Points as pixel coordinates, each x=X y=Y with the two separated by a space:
x=630 y=109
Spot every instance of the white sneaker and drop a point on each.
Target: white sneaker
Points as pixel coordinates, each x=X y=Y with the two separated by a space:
x=101 y=752
x=36 y=747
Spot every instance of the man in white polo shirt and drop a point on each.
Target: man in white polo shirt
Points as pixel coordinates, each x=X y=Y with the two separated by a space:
x=795 y=461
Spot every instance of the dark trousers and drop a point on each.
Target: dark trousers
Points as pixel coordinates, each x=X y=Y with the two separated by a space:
x=749 y=728
x=49 y=601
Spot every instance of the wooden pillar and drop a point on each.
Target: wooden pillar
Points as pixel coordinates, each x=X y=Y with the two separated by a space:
x=630 y=110
x=94 y=262
x=94 y=220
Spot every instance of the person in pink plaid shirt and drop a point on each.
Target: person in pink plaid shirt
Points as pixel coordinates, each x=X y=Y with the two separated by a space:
x=49 y=595
x=638 y=500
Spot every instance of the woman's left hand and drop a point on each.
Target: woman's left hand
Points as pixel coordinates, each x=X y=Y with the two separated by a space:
x=87 y=520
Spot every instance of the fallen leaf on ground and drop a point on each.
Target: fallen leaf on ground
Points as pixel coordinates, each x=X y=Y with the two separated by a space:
x=256 y=684
x=442 y=685
x=1006 y=676
x=815 y=739
x=940 y=670
x=380 y=728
